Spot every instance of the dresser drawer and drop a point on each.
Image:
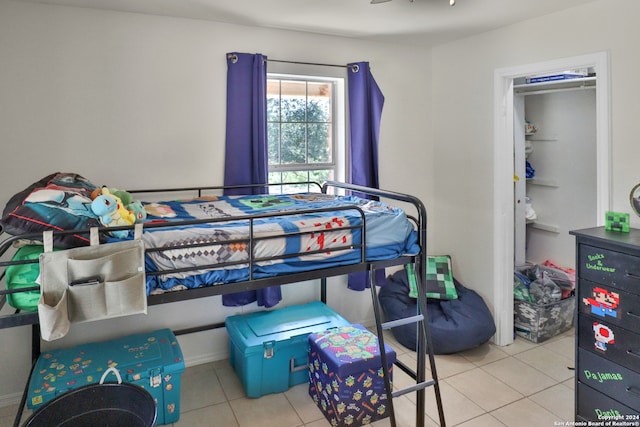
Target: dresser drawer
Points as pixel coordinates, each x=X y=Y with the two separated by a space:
x=595 y=406
x=615 y=381
x=616 y=344
x=609 y=304
x=605 y=267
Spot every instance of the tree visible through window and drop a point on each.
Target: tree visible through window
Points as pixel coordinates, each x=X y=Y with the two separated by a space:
x=301 y=129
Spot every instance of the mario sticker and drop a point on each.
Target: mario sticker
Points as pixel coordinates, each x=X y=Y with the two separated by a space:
x=603 y=303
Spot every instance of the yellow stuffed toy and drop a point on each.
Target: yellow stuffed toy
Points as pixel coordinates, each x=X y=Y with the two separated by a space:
x=121 y=215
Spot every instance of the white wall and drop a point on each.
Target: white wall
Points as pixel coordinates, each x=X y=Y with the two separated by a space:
x=463 y=109
x=134 y=101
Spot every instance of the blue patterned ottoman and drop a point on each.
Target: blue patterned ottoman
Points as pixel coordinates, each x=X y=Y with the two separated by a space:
x=345 y=375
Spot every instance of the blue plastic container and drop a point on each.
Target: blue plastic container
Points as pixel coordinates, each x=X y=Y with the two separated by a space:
x=151 y=360
x=269 y=349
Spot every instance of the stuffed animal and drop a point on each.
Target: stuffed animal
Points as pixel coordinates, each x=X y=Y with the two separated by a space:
x=125 y=196
x=105 y=206
x=138 y=210
x=95 y=193
x=112 y=213
x=159 y=210
x=126 y=216
x=128 y=211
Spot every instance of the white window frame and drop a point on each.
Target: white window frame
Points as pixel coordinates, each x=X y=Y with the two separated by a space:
x=338 y=114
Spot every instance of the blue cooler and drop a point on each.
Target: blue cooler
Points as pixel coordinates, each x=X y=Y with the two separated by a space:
x=269 y=349
x=152 y=361
x=345 y=375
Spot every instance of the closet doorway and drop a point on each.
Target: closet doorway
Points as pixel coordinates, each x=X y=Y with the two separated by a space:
x=555 y=167
x=509 y=144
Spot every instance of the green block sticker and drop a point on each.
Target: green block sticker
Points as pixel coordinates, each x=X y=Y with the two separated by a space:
x=265 y=202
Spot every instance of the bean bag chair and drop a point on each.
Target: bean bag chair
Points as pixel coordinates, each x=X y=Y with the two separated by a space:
x=456 y=324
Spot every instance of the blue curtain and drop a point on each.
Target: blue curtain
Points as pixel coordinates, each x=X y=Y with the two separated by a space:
x=365 y=111
x=246 y=138
x=246 y=145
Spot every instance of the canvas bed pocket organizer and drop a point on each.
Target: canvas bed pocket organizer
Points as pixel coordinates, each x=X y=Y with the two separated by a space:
x=90 y=283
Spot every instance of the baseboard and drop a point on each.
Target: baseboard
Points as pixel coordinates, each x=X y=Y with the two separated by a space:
x=10 y=399
x=201 y=359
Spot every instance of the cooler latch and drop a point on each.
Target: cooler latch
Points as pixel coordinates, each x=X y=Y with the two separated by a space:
x=155 y=378
x=269 y=349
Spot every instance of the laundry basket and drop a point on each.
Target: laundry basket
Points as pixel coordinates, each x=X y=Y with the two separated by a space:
x=98 y=405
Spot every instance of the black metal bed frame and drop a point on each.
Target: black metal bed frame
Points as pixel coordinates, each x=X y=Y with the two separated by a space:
x=424 y=347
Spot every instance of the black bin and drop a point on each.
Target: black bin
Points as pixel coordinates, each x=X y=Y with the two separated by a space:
x=98 y=405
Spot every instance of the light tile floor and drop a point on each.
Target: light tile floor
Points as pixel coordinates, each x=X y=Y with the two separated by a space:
x=524 y=384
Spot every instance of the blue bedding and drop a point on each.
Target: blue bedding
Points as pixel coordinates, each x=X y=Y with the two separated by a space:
x=300 y=242
x=216 y=253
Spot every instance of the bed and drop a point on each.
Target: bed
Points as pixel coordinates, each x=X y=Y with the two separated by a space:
x=213 y=240
x=200 y=243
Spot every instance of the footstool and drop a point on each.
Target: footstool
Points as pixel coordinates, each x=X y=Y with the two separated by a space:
x=346 y=379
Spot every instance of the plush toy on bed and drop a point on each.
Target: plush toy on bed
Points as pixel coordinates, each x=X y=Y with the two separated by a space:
x=125 y=197
x=136 y=213
x=138 y=210
x=133 y=206
x=111 y=212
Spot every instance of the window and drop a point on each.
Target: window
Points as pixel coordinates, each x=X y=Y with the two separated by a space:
x=304 y=128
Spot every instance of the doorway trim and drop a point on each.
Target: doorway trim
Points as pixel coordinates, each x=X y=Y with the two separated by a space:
x=503 y=223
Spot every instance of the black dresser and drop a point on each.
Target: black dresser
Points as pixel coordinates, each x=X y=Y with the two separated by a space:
x=608 y=326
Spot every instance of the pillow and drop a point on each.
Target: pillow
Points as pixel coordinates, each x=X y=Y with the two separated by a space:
x=439 y=278
x=60 y=201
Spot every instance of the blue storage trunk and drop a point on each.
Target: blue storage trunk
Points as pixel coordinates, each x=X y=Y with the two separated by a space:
x=151 y=360
x=269 y=349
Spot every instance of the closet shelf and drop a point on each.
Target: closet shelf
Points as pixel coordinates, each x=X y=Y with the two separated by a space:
x=544 y=227
x=543 y=182
x=544 y=87
x=540 y=139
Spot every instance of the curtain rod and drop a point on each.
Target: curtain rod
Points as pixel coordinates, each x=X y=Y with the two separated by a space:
x=355 y=68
